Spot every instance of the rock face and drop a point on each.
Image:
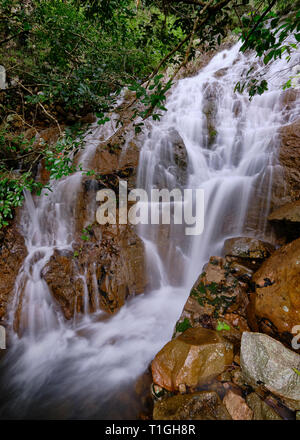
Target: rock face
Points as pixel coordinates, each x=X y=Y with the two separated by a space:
x=205 y=405
x=192 y=357
x=290 y=158
x=12 y=254
x=277 y=297
x=237 y=407
x=286 y=220
x=266 y=361
x=246 y=247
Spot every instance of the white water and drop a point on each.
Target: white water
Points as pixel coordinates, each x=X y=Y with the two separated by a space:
x=71 y=369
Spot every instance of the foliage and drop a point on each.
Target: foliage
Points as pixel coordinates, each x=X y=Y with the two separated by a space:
x=183 y=326
x=66 y=58
x=222 y=326
x=271 y=36
x=17 y=151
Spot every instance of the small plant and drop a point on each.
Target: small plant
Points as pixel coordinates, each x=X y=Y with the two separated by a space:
x=85 y=236
x=183 y=326
x=222 y=326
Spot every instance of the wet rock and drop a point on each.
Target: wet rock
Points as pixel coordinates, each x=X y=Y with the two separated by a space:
x=237 y=407
x=217 y=295
x=290 y=158
x=205 y=405
x=12 y=254
x=101 y=272
x=221 y=72
x=173 y=158
x=246 y=247
x=191 y=358
x=209 y=109
x=277 y=297
x=261 y=410
x=286 y=220
x=267 y=362
x=180 y=158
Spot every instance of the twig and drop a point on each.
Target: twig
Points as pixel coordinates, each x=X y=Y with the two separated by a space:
x=43 y=108
x=6 y=40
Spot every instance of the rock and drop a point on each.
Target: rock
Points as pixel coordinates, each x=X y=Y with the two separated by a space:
x=290 y=158
x=191 y=358
x=298 y=415
x=205 y=405
x=277 y=297
x=261 y=411
x=289 y=212
x=174 y=158
x=12 y=254
x=236 y=321
x=237 y=378
x=107 y=270
x=157 y=392
x=89 y=118
x=286 y=220
x=217 y=295
x=209 y=109
x=246 y=247
x=268 y=362
x=237 y=407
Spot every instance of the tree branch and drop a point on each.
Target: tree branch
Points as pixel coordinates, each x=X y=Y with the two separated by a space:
x=259 y=21
x=12 y=37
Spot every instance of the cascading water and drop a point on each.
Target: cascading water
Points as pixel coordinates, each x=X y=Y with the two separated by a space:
x=61 y=369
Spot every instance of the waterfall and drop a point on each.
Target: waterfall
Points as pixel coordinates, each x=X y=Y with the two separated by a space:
x=76 y=369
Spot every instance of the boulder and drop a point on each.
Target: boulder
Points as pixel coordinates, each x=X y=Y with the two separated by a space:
x=237 y=406
x=247 y=247
x=205 y=405
x=286 y=220
x=277 y=295
x=267 y=362
x=191 y=358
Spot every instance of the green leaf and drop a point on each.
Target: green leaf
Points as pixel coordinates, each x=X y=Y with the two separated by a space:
x=296 y=371
x=183 y=326
x=222 y=326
